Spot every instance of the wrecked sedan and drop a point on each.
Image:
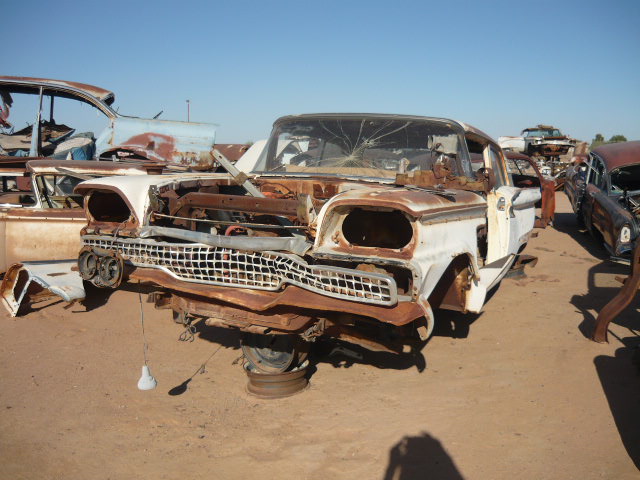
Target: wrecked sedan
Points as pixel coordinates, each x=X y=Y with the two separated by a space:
x=604 y=191
x=61 y=118
x=541 y=140
x=353 y=226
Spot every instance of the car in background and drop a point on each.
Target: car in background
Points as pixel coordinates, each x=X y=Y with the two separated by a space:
x=352 y=226
x=44 y=105
x=542 y=140
x=41 y=218
x=604 y=190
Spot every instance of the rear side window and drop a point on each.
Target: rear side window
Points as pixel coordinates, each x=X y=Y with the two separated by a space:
x=596 y=175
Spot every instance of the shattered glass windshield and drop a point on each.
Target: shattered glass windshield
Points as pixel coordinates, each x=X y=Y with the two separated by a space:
x=367 y=147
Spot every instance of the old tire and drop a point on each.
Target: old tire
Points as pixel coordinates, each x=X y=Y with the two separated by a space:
x=274 y=353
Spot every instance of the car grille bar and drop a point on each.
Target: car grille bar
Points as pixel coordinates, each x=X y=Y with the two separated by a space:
x=198 y=263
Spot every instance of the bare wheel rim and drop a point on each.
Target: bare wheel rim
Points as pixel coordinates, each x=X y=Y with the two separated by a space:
x=272 y=353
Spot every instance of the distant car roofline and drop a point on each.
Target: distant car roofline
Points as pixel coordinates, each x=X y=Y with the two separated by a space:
x=97 y=94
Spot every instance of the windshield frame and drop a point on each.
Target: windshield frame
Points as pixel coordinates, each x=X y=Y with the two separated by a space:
x=268 y=155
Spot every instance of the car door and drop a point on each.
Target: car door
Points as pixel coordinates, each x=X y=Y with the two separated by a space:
x=49 y=231
x=511 y=211
x=593 y=184
x=574 y=185
x=510 y=217
x=510 y=220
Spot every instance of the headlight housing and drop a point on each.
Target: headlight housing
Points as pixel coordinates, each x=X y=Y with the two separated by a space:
x=377 y=228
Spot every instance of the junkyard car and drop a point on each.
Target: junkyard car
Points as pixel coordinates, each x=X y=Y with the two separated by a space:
x=541 y=140
x=604 y=191
x=41 y=216
x=354 y=226
x=45 y=105
x=525 y=173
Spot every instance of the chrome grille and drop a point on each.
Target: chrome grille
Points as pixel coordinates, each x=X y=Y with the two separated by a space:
x=200 y=263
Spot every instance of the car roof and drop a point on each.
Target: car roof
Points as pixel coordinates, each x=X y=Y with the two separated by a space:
x=101 y=94
x=616 y=155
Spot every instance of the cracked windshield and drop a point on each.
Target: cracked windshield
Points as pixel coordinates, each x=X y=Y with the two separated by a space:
x=367 y=147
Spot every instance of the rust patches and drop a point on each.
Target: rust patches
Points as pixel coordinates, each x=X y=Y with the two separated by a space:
x=280 y=318
x=232 y=151
x=548 y=208
x=236 y=203
x=441 y=177
x=450 y=292
x=291 y=187
x=415 y=203
x=616 y=155
x=152 y=145
x=260 y=301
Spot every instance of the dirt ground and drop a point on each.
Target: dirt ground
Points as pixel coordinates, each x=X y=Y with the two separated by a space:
x=515 y=392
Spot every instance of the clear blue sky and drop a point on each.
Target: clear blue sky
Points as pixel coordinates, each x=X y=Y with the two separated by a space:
x=500 y=66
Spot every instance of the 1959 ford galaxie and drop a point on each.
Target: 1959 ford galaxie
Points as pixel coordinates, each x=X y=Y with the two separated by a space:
x=355 y=226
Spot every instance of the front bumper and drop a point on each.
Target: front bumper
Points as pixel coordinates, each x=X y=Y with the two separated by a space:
x=227 y=267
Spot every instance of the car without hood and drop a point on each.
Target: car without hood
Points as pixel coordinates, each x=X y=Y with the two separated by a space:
x=541 y=140
x=353 y=226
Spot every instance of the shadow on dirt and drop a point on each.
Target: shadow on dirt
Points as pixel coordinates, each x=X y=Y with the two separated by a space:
x=224 y=336
x=619 y=375
x=420 y=457
x=598 y=296
x=95 y=297
x=344 y=355
x=620 y=379
x=567 y=223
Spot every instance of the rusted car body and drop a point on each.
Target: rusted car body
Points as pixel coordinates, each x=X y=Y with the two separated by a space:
x=541 y=140
x=357 y=227
x=525 y=173
x=180 y=144
x=42 y=222
x=604 y=191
